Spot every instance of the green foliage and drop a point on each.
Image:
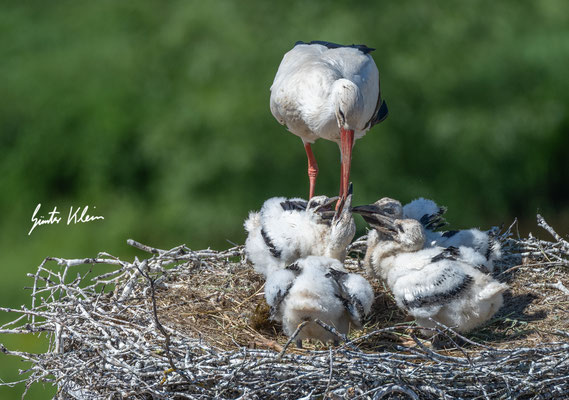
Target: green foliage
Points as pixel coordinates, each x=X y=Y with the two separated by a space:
x=157 y=114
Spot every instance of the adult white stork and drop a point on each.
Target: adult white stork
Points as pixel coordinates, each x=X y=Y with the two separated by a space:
x=326 y=90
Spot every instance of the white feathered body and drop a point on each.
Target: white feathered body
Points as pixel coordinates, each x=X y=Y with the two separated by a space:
x=428 y=285
x=314 y=81
x=278 y=237
x=318 y=288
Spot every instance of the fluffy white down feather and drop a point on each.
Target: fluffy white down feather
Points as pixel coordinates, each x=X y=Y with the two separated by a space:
x=294 y=234
x=480 y=241
x=428 y=284
x=312 y=292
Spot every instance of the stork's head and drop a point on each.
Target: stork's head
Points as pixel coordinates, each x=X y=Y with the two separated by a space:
x=386 y=207
x=389 y=238
x=391 y=232
x=322 y=207
x=408 y=233
x=348 y=104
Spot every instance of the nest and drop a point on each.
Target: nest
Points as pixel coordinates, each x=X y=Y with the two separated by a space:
x=194 y=324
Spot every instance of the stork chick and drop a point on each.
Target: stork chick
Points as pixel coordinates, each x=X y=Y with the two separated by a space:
x=285 y=230
x=318 y=288
x=476 y=247
x=430 y=283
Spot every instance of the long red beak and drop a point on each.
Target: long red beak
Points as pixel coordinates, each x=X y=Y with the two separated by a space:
x=346 y=144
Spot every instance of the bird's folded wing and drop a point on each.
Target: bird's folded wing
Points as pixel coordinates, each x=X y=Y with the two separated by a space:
x=361 y=47
x=296 y=205
x=434 y=221
x=436 y=284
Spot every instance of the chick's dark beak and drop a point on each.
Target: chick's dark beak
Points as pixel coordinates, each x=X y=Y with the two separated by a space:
x=326 y=209
x=374 y=216
x=368 y=209
x=328 y=205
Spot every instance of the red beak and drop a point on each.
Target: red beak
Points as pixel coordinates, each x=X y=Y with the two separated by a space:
x=346 y=144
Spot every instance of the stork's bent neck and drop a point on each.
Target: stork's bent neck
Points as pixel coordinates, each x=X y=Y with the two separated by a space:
x=348 y=104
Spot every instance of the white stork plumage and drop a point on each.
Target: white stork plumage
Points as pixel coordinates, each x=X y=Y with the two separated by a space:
x=476 y=247
x=285 y=230
x=318 y=288
x=330 y=91
x=433 y=283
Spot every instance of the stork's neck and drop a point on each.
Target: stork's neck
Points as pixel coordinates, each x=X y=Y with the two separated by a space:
x=380 y=252
x=348 y=104
x=385 y=249
x=339 y=237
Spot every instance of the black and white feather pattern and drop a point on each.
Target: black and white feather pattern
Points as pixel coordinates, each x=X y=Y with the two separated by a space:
x=285 y=230
x=294 y=205
x=433 y=283
x=318 y=288
x=486 y=248
x=361 y=47
x=270 y=245
x=354 y=292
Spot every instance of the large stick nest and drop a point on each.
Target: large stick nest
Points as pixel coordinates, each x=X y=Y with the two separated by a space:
x=194 y=324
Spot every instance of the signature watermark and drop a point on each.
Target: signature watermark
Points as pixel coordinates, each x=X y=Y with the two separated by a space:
x=75 y=216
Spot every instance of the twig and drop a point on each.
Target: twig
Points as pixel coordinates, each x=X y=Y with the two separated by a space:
x=559 y=286
x=395 y=389
x=292 y=338
x=143 y=247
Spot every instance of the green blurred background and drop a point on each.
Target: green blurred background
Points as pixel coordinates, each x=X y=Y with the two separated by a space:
x=157 y=114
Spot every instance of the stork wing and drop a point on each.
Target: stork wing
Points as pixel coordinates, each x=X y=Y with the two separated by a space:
x=279 y=297
x=351 y=302
x=435 y=221
x=277 y=288
x=361 y=47
x=450 y=253
x=434 y=285
x=269 y=243
x=294 y=205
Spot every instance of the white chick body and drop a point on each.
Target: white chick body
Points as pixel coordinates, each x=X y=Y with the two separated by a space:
x=285 y=230
x=431 y=283
x=318 y=288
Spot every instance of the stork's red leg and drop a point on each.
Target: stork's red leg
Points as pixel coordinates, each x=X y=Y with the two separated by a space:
x=346 y=144
x=312 y=168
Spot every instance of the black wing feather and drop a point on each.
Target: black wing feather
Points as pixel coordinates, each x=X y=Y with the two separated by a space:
x=281 y=295
x=294 y=205
x=294 y=267
x=434 y=221
x=450 y=253
x=449 y=234
x=272 y=248
x=440 y=296
x=361 y=47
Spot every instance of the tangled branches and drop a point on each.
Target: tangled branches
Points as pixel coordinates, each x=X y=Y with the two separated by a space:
x=178 y=325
